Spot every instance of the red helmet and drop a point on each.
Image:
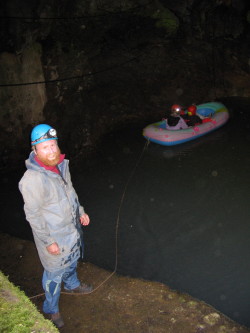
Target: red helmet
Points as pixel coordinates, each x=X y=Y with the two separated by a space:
x=192 y=110
x=176 y=108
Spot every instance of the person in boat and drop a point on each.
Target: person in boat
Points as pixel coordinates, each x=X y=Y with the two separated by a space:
x=175 y=121
x=191 y=118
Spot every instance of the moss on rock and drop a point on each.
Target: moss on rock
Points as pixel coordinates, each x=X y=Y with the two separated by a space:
x=17 y=313
x=167 y=20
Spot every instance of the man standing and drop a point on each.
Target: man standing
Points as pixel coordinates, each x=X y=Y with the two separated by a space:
x=55 y=215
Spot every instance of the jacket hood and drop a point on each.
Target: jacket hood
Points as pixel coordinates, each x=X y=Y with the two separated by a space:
x=31 y=163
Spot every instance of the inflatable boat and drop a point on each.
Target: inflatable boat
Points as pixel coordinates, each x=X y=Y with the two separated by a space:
x=214 y=115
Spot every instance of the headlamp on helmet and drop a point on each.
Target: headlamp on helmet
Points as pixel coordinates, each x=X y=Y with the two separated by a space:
x=41 y=133
x=176 y=109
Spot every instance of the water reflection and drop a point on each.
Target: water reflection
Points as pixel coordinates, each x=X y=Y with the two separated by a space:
x=184 y=220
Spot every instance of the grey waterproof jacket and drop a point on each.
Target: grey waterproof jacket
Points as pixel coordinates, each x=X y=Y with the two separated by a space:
x=51 y=207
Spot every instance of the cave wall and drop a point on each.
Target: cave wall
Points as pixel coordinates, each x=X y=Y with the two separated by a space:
x=21 y=105
x=102 y=64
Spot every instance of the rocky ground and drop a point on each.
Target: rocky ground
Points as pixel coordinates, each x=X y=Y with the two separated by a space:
x=117 y=304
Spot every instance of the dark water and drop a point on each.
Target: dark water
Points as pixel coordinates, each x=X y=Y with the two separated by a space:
x=184 y=215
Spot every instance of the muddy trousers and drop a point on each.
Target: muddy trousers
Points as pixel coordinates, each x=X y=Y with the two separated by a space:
x=52 y=286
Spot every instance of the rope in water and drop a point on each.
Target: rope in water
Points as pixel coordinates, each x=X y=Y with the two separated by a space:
x=116 y=229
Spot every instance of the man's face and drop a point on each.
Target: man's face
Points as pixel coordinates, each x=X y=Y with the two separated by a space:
x=48 y=152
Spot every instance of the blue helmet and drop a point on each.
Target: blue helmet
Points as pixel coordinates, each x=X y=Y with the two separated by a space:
x=41 y=133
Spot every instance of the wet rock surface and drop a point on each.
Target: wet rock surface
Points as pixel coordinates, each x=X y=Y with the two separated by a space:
x=117 y=304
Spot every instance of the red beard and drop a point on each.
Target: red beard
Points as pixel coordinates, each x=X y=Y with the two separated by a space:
x=51 y=162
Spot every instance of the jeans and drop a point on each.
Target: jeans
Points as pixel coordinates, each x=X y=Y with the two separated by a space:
x=52 y=286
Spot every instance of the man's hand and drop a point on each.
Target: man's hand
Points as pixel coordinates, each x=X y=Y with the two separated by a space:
x=53 y=249
x=84 y=219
